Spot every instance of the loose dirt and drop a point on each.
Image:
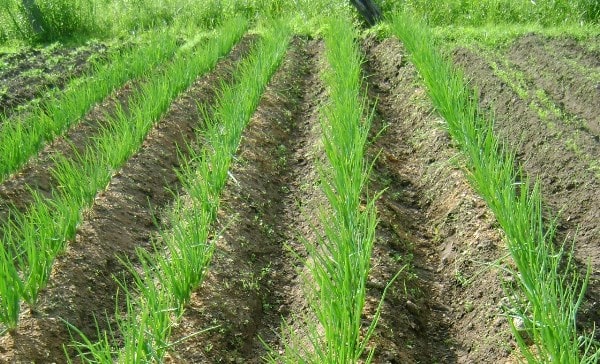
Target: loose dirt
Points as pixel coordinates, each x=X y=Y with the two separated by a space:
x=446 y=306
x=572 y=88
x=82 y=287
x=29 y=74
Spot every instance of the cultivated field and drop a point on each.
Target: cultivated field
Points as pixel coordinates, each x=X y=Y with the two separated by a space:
x=250 y=193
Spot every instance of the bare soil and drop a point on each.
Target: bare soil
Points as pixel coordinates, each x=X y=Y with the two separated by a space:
x=253 y=276
x=28 y=74
x=446 y=306
x=571 y=88
x=560 y=154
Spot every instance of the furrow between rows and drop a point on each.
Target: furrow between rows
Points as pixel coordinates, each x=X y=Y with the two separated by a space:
x=446 y=305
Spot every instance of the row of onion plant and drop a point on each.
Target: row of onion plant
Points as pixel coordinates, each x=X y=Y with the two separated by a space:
x=549 y=293
x=339 y=262
x=182 y=253
x=22 y=136
x=32 y=239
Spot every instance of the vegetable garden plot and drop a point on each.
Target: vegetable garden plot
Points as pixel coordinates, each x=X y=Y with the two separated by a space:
x=82 y=284
x=450 y=308
x=561 y=153
x=31 y=244
x=447 y=304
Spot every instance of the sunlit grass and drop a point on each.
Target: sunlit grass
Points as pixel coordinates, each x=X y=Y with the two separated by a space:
x=505 y=12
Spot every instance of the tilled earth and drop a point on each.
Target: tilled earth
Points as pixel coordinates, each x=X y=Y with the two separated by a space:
x=26 y=75
x=447 y=306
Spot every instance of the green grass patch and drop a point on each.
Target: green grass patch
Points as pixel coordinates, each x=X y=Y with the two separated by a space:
x=495 y=36
x=500 y=12
x=50 y=20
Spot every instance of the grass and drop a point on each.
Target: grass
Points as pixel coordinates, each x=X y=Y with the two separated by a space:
x=501 y=12
x=497 y=23
x=169 y=276
x=549 y=291
x=56 y=19
x=31 y=243
x=339 y=262
x=84 y=19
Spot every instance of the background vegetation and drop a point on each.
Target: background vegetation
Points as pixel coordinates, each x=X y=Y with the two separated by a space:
x=110 y=18
x=477 y=13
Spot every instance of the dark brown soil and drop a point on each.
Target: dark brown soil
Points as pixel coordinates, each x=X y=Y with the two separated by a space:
x=558 y=154
x=252 y=279
x=445 y=306
x=571 y=49
x=570 y=88
x=82 y=285
x=29 y=74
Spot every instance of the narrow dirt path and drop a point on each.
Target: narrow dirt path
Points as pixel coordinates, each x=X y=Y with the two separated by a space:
x=445 y=306
x=551 y=153
x=252 y=281
x=82 y=285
